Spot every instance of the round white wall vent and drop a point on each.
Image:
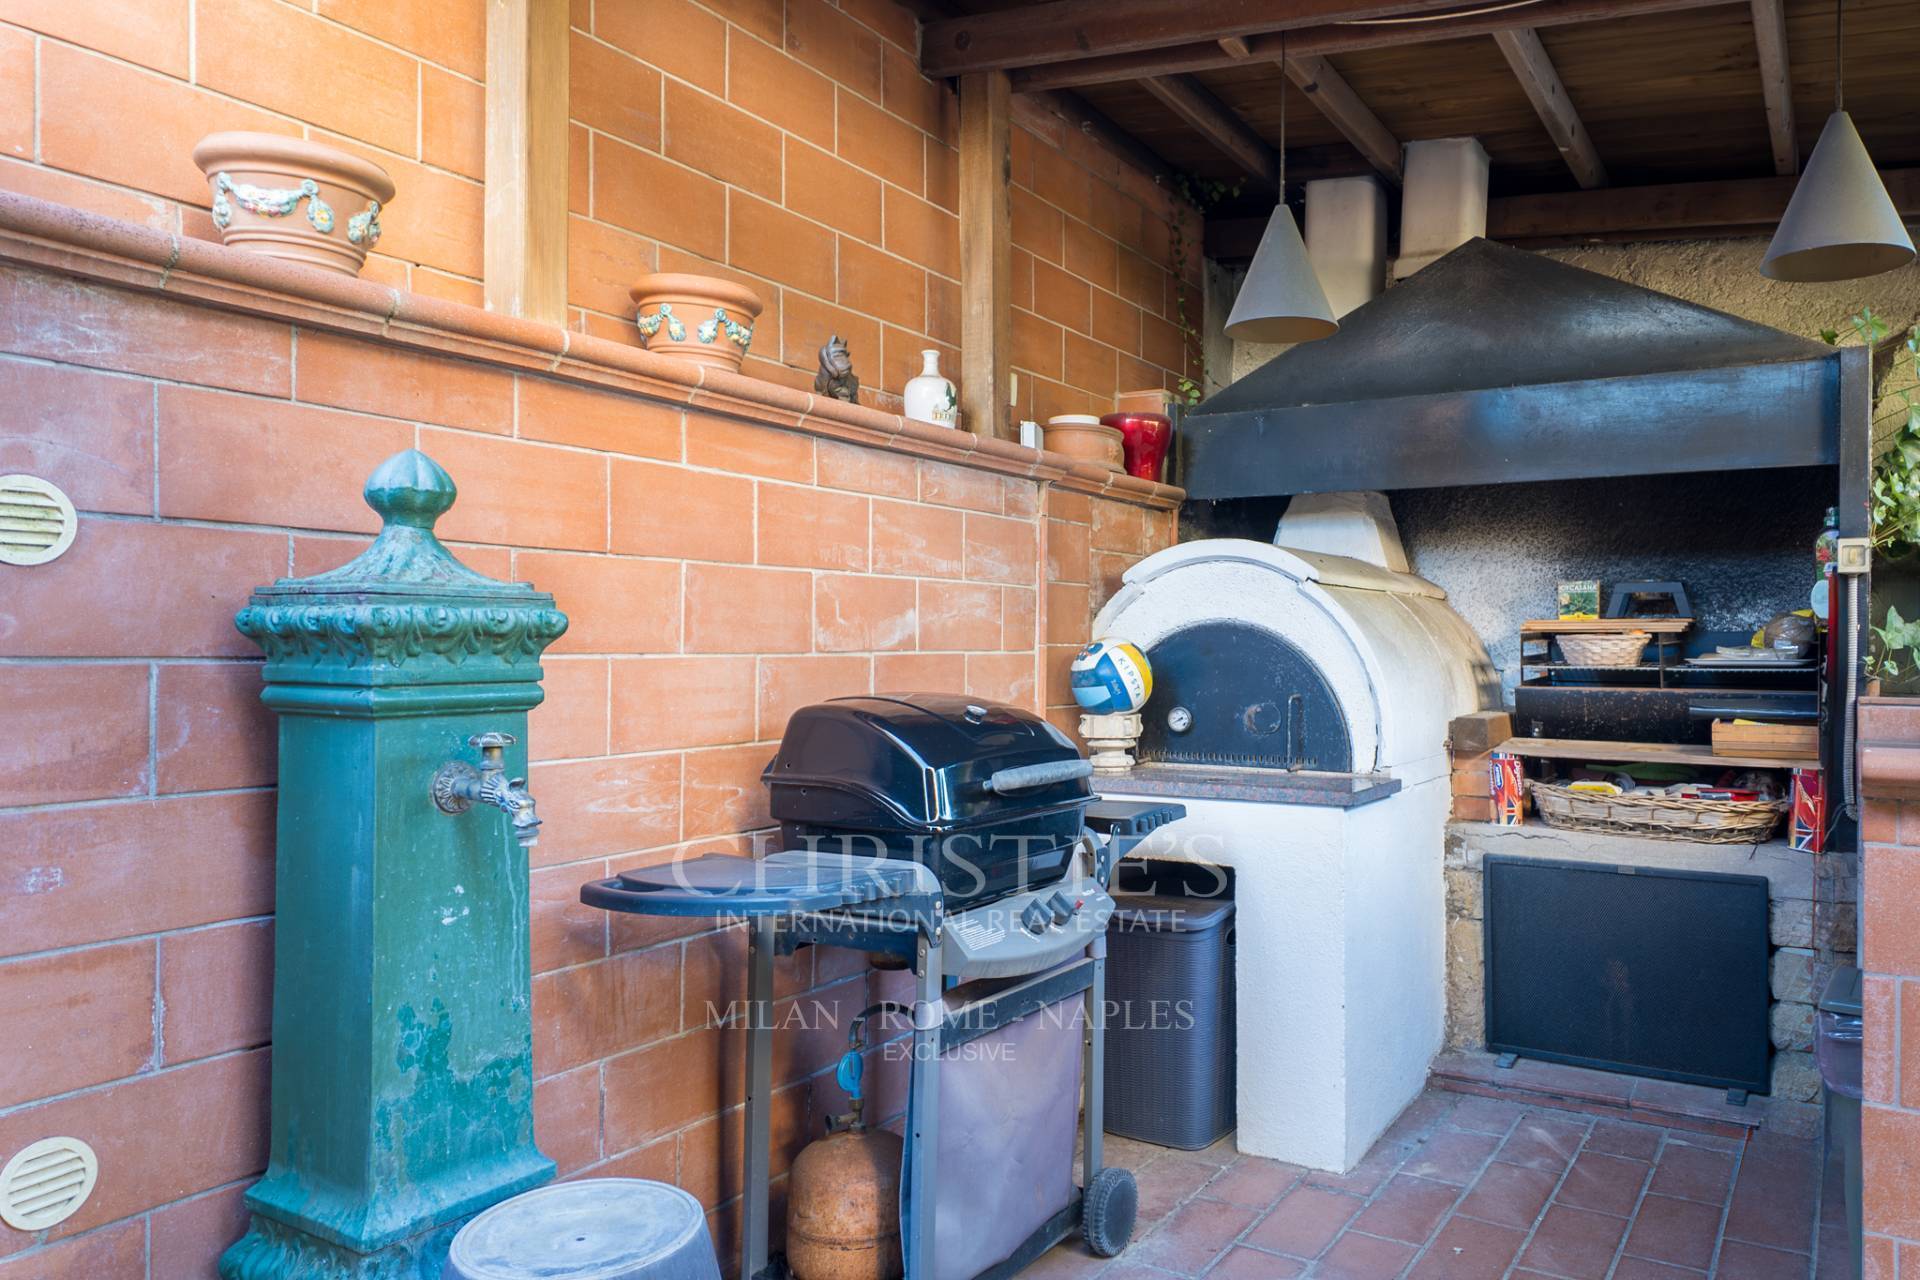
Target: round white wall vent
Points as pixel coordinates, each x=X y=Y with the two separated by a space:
x=36 y=520
x=47 y=1183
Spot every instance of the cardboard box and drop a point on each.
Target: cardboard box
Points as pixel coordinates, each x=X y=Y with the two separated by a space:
x=1768 y=741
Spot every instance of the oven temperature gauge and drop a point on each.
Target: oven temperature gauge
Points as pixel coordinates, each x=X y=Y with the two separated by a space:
x=1179 y=719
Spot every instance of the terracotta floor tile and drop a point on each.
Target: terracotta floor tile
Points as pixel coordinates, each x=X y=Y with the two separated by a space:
x=1193 y=1236
x=1251 y=1264
x=1362 y=1257
x=1129 y=1153
x=1421 y=1117
x=1220 y=1154
x=1407 y=1209
x=1642 y=1269
x=1451 y=1155
x=1542 y=1142
x=1485 y=1115
x=1509 y=1195
x=1254 y=1181
x=1756 y=1262
x=1693 y=1173
x=1167 y=1183
x=1625 y=1138
x=1068 y=1260
x=1834 y=1258
x=1771 y=1199
x=1469 y=1250
x=1678 y=1231
x=1305 y=1222
x=1367 y=1176
x=1574 y=1243
x=1603 y=1183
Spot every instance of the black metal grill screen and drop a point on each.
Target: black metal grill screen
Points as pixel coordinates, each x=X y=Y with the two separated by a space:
x=1655 y=972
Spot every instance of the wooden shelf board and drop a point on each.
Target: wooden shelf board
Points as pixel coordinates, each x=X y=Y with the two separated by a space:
x=1603 y=626
x=1603 y=752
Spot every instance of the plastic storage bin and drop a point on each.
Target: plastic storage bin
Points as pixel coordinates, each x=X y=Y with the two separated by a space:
x=1170 y=1035
x=1837 y=1048
x=594 y=1229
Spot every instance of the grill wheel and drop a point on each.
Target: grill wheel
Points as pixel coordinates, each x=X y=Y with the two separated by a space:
x=1106 y=1213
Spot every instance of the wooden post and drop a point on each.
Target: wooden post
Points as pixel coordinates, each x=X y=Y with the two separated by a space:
x=526 y=200
x=986 y=288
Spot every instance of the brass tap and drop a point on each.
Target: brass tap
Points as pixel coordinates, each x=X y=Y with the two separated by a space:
x=458 y=785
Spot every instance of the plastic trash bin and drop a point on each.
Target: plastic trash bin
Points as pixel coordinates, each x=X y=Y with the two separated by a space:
x=1837 y=1047
x=1170 y=1035
x=594 y=1229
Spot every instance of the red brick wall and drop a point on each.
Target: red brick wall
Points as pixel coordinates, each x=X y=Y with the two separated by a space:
x=792 y=144
x=1890 y=957
x=718 y=572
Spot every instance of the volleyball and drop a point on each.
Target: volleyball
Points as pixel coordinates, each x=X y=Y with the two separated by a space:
x=1111 y=677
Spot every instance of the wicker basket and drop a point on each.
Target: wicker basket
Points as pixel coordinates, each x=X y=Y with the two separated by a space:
x=1659 y=816
x=1617 y=650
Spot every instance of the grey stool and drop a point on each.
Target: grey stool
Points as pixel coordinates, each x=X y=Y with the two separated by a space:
x=595 y=1229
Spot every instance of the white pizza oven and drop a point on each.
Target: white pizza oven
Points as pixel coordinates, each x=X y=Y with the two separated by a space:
x=1300 y=707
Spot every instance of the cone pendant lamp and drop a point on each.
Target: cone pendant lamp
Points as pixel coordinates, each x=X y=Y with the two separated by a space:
x=1840 y=224
x=1281 y=299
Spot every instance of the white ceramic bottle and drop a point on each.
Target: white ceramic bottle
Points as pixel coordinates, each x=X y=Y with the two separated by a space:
x=930 y=397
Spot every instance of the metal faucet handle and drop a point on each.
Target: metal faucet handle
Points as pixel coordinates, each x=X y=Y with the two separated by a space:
x=492 y=740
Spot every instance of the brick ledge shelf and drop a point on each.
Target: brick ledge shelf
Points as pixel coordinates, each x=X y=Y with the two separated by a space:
x=41 y=233
x=1890 y=747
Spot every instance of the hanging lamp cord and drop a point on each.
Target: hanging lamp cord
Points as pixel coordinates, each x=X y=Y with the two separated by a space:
x=1283 y=117
x=1839 y=55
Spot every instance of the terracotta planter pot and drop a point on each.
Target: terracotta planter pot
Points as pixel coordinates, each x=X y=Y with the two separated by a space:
x=288 y=198
x=698 y=318
x=1081 y=435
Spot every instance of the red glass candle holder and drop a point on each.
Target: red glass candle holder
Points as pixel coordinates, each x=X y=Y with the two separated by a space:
x=1144 y=438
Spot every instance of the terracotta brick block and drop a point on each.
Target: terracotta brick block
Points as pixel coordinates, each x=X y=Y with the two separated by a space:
x=703 y=131
x=566 y=1118
x=769 y=241
x=723 y=792
x=1091 y=366
x=1063 y=504
x=856 y=467
x=75 y=1019
x=211 y=731
x=949 y=485
x=854 y=613
x=596 y=1010
x=1890 y=1171
x=670 y=511
x=175 y=592
x=517 y=494
x=710 y=1165
x=1090 y=255
x=680 y=38
x=672 y=1084
x=74 y=732
x=1142 y=283
x=572 y=721
x=1056 y=675
x=1037 y=227
x=1021 y=292
x=1909 y=1065
x=108 y=871
x=90 y=433
x=834 y=44
x=1109 y=571
x=566 y=931
x=1880 y=1066
x=1069 y=551
x=787 y=684
x=1118 y=526
x=250 y=461
x=959 y=615
x=286 y=61
x=201 y=1126
x=606 y=806
x=1161 y=342
x=829 y=190
x=613 y=604
x=877 y=284
x=82 y=193
x=152 y=35
x=919 y=672
x=453 y=120
x=912 y=539
x=880 y=143
x=1062 y=183
x=73 y=323
x=999 y=549
x=1890 y=927
x=1069 y=613
x=1038 y=345
x=806 y=324
x=188 y=1236
x=438 y=222
x=381 y=379
x=1473 y=809
x=452 y=35
x=922 y=233
x=119 y=1250
x=1114 y=321
x=778 y=88
x=664 y=703
x=745 y=448
x=642 y=192
x=216 y=986
x=734 y=609
x=811 y=528
x=602 y=261
x=1003 y=677
x=1019 y=618
x=85 y=98
x=614 y=92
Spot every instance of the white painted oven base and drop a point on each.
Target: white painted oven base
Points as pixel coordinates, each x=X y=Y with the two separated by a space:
x=1339 y=917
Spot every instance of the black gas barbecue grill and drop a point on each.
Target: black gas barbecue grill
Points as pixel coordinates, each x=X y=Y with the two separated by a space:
x=962 y=836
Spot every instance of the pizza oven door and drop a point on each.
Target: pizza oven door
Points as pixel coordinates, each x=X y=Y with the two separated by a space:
x=1231 y=693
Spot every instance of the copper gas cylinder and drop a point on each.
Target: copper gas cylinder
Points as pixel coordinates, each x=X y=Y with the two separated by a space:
x=843 y=1208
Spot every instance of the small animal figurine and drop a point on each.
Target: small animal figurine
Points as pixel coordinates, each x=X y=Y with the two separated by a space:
x=836 y=377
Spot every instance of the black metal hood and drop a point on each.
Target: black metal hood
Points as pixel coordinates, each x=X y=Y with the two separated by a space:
x=1495 y=365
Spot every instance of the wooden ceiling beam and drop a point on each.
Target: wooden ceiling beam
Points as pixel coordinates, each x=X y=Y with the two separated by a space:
x=1101 y=66
x=1336 y=100
x=1770 y=35
x=1534 y=69
x=1216 y=122
x=1061 y=30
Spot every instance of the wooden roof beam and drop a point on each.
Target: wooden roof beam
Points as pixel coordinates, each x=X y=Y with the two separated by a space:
x=1190 y=53
x=1344 y=110
x=1529 y=60
x=1215 y=121
x=1770 y=35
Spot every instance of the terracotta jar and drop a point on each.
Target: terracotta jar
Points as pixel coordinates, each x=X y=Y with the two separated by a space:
x=700 y=318
x=1144 y=440
x=1082 y=436
x=293 y=199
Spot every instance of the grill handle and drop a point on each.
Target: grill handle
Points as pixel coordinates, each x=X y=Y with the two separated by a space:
x=1029 y=776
